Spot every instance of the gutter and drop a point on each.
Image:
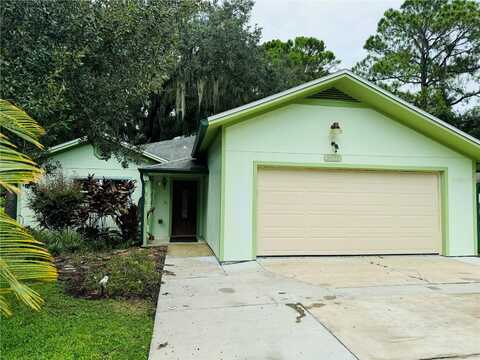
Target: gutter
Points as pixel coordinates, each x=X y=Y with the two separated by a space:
x=202 y=131
x=172 y=171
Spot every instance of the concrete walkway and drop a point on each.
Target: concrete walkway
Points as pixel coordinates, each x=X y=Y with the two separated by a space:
x=409 y=307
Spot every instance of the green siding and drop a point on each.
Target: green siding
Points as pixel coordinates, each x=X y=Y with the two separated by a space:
x=298 y=134
x=213 y=201
x=79 y=162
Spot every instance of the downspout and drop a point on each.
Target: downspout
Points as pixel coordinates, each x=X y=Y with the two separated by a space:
x=142 y=209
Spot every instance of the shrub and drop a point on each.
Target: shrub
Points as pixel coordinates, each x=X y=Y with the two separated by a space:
x=56 y=202
x=60 y=241
x=105 y=198
x=59 y=204
x=128 y=221
x=131 y=274
x=100 y=238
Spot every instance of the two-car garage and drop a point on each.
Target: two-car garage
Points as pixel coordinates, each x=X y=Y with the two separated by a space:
x=338 y=166
x=303 y=211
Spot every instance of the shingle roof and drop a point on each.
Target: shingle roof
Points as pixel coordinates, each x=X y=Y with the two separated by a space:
x=178 y=166
x=174 y=149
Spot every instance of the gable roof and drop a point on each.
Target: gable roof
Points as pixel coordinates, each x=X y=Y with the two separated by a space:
x=172 y=150
x=79 y=141
x=357 y=88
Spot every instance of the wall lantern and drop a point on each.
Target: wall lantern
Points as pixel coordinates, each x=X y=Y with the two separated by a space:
x=335 y=130
x=164 y=182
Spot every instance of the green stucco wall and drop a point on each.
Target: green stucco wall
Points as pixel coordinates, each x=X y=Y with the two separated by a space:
x=159 y=221
x=79 y=162
x=213 y=199
x=298 y=134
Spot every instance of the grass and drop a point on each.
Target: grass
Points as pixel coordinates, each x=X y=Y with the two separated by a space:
x=72 y=328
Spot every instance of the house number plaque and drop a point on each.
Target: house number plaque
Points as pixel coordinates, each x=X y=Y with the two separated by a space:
x=332 y=158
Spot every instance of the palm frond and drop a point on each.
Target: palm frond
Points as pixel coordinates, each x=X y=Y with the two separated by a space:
x=20 y=123
x=22 y=258
x=16 y=168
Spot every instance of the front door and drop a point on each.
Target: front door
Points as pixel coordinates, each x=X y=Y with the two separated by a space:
x=184 y=211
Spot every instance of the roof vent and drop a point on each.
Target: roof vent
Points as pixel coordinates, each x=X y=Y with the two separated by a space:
x=332 y=94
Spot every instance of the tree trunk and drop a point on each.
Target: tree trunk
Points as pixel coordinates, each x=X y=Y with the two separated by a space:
x=200 y=92
x=180 y=100
x=216 y=85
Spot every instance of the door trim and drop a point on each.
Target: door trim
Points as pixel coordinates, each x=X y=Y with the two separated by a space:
x=443 y=191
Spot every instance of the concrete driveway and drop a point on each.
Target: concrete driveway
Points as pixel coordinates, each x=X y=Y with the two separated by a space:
x=391 y=307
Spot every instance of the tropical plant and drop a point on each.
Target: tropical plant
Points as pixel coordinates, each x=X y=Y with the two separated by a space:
x=61 y=241
x=22 y=258
x=89 y=207
x=56 y=202
x=128 y=221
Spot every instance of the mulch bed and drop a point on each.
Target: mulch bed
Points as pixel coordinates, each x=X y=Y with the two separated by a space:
x=73 y=269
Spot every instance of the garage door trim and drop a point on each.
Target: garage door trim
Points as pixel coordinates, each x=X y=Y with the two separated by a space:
x=442 y=171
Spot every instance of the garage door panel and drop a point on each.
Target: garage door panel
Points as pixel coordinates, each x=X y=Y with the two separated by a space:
x=347 y=212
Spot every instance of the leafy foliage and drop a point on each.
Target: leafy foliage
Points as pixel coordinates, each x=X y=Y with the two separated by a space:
x=132 y=273
x=104 y=198
x=128 y=221
x=15 y=167
x=141 y=71
x=90 y=207
x=296 y=61
x=22 y=258
x=470 y=122
x=429 y=53
x=84 y=68
x=61 y=241
x=218 y=67
x=57 y=202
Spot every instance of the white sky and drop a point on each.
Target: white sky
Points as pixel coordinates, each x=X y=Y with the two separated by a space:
x=344 y=25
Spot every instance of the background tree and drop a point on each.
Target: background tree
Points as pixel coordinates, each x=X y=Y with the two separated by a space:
x=218 y=67
x=85 y=68
x=429 y=53
x=295 y=61
x=470 y=122
x=22 y=258
x=141 y=71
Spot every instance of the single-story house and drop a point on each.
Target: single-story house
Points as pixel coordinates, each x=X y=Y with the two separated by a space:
x=77 y=159
x=336 y=166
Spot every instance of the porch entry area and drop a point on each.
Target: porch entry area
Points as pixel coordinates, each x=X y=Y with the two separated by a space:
x=173 y=204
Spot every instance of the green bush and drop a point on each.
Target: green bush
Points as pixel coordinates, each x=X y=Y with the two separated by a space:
x=131 y=274
x=56 y=202
x=128 y=221
x=102 y=238
x=60 y=241
x=87 y=206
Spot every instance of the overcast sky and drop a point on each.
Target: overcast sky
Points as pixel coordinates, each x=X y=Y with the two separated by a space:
x=344 y=25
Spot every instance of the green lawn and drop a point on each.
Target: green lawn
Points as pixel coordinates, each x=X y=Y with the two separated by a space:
x=70 y=328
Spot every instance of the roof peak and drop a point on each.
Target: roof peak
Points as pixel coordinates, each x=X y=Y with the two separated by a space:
x=358 y=88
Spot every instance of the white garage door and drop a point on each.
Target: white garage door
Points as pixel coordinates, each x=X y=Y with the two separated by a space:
x=328 y=212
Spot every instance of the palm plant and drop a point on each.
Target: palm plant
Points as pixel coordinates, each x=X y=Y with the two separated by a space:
x=22 y=258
